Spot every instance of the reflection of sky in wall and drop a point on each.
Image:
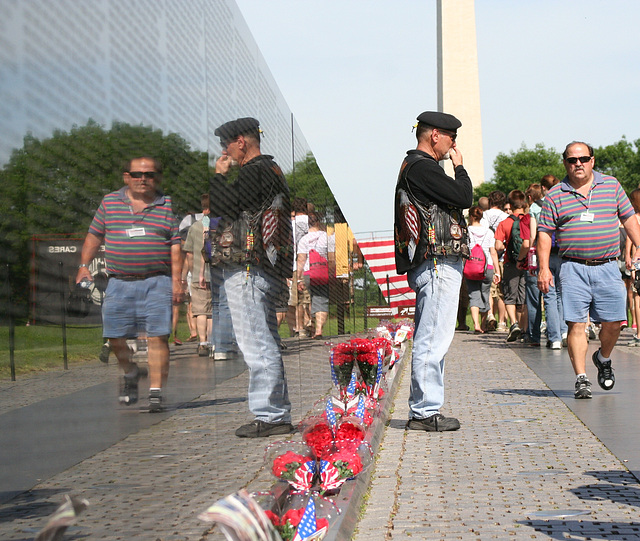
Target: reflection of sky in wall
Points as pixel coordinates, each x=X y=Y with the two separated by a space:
x=185 y=67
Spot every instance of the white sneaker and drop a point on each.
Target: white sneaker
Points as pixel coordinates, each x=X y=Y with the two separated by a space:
x=556 y=345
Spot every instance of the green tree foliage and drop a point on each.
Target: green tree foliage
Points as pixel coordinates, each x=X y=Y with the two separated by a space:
x=306 y=180
x=55 y=185
x=621 y=160
x=518 y=169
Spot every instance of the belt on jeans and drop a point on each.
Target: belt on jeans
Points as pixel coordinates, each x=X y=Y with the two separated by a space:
x=590 y=262
x=136 y=277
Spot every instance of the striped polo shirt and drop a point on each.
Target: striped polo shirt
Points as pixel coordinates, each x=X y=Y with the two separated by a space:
x=136 y=243
x=563 y=207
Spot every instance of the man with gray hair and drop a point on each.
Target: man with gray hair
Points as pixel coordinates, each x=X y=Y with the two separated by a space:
x=430 y=243
x=252 y=247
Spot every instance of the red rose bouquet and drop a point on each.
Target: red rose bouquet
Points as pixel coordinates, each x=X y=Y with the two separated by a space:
x=291 y=461
x=346 y=461
x=350 y=429
x=319 y=437
x=342 y=360
x=285 y=466
x=307 y=513
x=366 y=355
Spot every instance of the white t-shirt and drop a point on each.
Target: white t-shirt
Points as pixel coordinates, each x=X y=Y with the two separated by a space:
x=492 y=217
x=479 y=234
x=318 y=241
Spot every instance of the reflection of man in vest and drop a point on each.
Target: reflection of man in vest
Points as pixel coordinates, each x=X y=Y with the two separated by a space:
x=252 y=248
x=430 y=238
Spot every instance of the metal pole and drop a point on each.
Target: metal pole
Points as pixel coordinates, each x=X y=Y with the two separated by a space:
x=366 y=322
x=388 y=291
x=12 y=327
x=63 y=314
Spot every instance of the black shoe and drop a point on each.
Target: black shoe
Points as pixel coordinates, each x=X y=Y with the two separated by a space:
x=583 y=388
x=606 y=379
x=203 y=350
x=261 y=429
x=435 y=423
x=129 y=392
x=105 y=350
x=514 y=333
x=155 y=402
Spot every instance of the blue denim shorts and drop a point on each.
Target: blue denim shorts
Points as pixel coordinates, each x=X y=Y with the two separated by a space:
x=597 y=291
x=134 y=307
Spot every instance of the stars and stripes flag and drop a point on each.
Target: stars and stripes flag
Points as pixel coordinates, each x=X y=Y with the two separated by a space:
x=303 y=476
x=329 y=476
x=334 y=378
x=351 y=388
x=380 y=256
x=331 y=415
x=360 y=408
x=307 y=526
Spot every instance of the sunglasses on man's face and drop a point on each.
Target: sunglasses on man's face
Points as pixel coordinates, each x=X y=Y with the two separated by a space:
x=574 y=160
x=140 y=174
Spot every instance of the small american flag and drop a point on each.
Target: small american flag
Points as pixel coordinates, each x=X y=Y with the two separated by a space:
x=303 y=476
x=331 y=415
x=351 y=388
x=334 y=378
x=307 y=526
x=329 y=476
x=360 y=408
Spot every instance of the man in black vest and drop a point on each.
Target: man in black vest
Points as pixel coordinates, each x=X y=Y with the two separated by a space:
x=252 y=247
x=430 y=242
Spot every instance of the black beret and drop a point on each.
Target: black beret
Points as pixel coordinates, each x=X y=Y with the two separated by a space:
x=440 y=120
x=230 y=130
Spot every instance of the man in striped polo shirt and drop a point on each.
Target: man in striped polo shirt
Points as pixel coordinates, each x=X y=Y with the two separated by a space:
x=144 y=261
x=584 y=212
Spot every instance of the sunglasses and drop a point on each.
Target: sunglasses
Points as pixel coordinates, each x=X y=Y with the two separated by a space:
x=583 y=159
x=140 y=174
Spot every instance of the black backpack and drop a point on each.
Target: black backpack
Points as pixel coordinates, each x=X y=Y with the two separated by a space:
x=515 y=241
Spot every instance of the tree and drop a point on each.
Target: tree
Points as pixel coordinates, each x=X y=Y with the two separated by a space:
x=622 y=161
x=306 y=180
x=519 y=169
x=55 y=185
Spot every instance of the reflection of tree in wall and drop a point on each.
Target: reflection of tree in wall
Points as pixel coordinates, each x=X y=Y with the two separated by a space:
x=308 y=181
x=54 y=186
x=518 y=169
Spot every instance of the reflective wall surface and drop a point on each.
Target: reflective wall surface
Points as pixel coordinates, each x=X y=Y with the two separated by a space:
x=85 y=88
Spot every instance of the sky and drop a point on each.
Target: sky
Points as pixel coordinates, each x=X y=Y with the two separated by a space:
x=356 y=73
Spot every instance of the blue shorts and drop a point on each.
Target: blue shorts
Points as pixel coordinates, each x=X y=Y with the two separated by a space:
x=132 y=308
x=597 y=291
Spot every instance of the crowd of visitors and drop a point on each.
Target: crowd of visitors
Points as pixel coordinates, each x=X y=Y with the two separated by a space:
x=559 y=268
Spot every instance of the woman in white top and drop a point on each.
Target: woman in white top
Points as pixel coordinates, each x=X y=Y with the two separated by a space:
x=318 y=240
x=480 y=290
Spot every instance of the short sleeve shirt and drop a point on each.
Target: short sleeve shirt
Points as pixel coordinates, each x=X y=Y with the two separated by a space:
x=136 y=243
x=586 y=227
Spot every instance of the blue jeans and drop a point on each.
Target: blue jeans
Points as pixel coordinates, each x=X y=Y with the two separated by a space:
x=222 y=335
x=253 y=314
x=437 y=290
x=556 y=325
x=533 y=307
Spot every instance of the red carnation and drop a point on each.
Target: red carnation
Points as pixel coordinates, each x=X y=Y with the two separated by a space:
x=285 y=465
x=319 y=438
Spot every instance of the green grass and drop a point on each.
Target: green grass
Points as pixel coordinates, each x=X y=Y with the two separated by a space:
x=40 y=348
